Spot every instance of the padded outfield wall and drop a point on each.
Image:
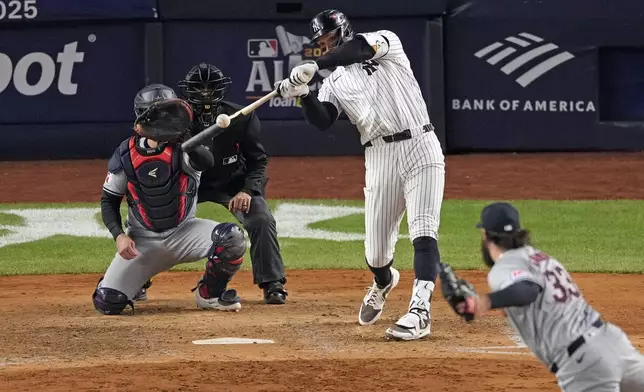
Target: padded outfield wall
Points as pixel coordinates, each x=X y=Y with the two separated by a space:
x=499 y=76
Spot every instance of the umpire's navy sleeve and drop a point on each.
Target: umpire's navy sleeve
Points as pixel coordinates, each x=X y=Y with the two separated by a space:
x=255 y=156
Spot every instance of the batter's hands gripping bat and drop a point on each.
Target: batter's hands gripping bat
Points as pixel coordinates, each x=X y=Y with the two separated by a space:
x=223 y=122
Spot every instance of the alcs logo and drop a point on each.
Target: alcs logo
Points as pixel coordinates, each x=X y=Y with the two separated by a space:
x=18 y=73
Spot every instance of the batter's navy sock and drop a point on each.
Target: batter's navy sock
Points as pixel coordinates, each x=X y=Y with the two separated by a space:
x=382 y=275
x=426 y=258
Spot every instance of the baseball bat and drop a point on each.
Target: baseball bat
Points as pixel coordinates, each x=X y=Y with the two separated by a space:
x=214 y=130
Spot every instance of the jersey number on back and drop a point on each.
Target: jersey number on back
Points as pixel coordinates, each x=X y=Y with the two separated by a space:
x=562 y=283
x=370 y=66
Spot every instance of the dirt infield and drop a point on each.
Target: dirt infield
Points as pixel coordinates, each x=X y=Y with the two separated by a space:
x=510 y=176
x=53 y=340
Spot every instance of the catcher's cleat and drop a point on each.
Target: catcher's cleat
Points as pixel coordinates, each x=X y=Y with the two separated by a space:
x=227 y=301
x=274 y=293
x=142 y=295
x=414 y=325
x=374 y=301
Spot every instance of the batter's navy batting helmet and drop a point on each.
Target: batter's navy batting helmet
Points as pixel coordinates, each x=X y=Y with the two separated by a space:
x=331 y=21
x=228 y=242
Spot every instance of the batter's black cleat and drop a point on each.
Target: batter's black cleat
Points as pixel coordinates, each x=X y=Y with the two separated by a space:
x=274 y=293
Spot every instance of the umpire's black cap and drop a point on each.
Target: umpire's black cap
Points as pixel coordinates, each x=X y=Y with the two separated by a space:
x=499 y=218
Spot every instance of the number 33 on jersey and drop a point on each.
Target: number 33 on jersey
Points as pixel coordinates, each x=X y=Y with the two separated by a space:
x=558 y=316
x=538 y=267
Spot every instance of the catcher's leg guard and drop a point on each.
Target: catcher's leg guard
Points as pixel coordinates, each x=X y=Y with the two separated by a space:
x=109 y=301
x=225 y=259
x=218 y=274
x=211 y=289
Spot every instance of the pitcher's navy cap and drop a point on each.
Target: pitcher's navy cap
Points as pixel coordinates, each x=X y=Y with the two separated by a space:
x=499 y=218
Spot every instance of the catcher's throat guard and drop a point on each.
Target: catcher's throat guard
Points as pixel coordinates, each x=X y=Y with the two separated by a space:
x=165 y=121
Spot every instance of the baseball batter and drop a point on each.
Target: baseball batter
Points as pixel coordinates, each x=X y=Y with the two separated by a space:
x=547 y=309
x=373 y=83
x=160 y=182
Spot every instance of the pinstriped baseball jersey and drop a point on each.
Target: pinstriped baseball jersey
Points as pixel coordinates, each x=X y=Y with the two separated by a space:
x=380 y=96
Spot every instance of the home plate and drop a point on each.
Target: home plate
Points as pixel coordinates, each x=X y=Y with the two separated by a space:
x=233 y=341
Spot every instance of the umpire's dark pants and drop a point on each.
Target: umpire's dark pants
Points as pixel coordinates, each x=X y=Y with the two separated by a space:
x=259 y=223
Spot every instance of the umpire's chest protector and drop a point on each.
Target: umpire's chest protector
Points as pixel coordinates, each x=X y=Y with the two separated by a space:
x=159 y=192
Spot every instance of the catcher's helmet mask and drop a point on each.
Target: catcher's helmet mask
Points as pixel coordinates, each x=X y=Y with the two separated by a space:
x=149 y=95
x=204 y=87
x=160 y=114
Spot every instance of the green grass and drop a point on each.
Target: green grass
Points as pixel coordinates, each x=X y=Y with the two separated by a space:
x=11 y=219
x=592 y=236
x=4 y=232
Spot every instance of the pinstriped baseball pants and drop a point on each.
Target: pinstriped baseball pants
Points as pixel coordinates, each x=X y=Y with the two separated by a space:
x=406 y=175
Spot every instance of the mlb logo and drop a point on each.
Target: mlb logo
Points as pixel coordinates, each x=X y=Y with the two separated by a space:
x=258 y=48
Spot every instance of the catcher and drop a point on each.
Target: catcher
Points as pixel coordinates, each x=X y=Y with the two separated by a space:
x=160 y=183
x=546 y=308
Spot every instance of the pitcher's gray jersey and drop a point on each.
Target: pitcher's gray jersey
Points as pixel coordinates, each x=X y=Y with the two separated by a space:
x=116 y=184
x=558 y=316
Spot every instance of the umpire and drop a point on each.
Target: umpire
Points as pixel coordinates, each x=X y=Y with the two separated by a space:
x=238 y=178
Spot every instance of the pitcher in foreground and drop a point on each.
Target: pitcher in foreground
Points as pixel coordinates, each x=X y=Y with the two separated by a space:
x=545 y=306
x=160 y=182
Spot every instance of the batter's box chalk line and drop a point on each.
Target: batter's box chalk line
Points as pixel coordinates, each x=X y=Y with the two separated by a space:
x=233 y=341
x=501 y=350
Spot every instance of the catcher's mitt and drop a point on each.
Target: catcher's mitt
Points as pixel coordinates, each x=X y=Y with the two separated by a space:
x=165 y=121
x=456 y=291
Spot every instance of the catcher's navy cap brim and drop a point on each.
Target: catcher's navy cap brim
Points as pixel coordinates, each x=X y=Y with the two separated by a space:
x=499 y=218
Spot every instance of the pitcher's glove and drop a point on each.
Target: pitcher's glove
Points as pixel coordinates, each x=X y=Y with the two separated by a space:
x=165 y=121
x=458 y=292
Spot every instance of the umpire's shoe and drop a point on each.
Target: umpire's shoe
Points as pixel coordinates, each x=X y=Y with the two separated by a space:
x=227 y=301
x=374 y=301
x=274 y=293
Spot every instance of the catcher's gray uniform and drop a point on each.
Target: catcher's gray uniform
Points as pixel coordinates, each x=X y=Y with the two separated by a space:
x=563 y=330
x=157 y=252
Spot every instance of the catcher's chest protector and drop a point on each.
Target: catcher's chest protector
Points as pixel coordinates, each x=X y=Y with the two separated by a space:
x=159 y=193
